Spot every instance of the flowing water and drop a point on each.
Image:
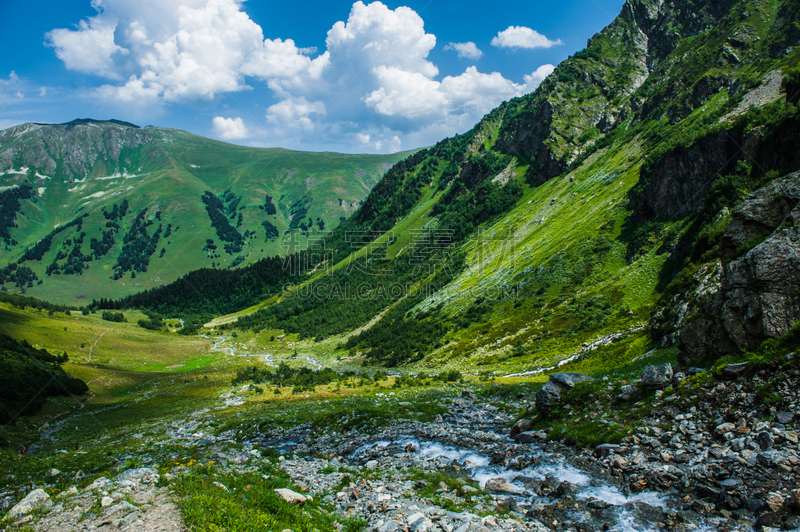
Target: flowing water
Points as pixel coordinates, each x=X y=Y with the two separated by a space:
x=546 y=466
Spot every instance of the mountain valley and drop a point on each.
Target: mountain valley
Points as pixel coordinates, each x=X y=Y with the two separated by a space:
x=580 y=315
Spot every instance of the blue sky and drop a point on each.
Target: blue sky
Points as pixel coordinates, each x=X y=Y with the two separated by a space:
x=338 y=76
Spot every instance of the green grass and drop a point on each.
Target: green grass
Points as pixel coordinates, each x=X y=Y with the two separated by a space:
x=178 y=367
x=248 y=504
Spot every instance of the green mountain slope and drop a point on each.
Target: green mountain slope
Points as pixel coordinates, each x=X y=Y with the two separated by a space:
x=567 y=219
x=104 y=209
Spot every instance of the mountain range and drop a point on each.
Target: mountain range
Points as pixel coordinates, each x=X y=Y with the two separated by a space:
x=106 y=208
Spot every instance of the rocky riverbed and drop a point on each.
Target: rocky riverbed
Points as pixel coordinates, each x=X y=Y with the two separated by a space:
x=717 y=457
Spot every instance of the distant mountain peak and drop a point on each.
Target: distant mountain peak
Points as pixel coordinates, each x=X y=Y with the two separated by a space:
x=86 y=121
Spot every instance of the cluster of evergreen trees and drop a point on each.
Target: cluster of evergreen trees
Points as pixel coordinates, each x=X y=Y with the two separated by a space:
x=285 y=375
x=76 y=261
x=21 y=276
x=23 y=302
x=10 y=205
x=218 y=214
x=272 y=232
x=118 y=317
x=137 y=248
x=269 y=206
x=209 y=291
x=37 y=252
x=28 y=376
x=298 y=212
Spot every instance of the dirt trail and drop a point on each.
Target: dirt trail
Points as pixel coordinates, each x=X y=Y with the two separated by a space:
x=91 y=349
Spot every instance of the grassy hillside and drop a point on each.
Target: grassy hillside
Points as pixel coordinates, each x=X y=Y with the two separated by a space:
x=104 y=176
x=563 y=217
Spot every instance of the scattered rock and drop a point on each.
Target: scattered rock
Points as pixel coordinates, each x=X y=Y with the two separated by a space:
x=629 y=392
x=774 y=501
x=731 y=483
x=604 y=449
x=550 y=394
x=144 y=475
x=771 y=519
x=292 y=497
x=771 y=458
x=731 y=371
x=656 y=377
x=529 y=436
x=501 y=485
x=724 y=428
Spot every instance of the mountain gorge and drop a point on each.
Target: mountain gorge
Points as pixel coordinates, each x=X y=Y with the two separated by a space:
x=572 y=214
x=121 y=208
x=589 y=302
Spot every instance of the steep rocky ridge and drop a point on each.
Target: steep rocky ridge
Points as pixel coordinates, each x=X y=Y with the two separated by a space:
x=70 y=151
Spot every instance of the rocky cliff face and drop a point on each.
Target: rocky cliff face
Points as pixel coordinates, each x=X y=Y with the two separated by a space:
x=632 y=68
x=735 y=305
x=71 y=150
x=678 y=184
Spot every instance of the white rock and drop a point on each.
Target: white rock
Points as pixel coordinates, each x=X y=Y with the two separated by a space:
x=489 y=521
x=33 y=500
x=143 y=475
x=122 y=506
x=292 y=497
x=413 y=518
x=106 y=501
x=502 y=485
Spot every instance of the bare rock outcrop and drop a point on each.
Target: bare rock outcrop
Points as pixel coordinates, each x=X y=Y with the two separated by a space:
x=735 y=306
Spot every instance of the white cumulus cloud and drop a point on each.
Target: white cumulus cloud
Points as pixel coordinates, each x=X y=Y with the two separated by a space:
x=90 y=48
x=537 y=76
x=373 y=85
x=295 y=113
x=230 y=128
x=522 y=37
x=468 y=50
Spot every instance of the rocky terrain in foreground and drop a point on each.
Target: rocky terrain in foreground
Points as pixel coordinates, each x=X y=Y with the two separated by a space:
x=714 y=453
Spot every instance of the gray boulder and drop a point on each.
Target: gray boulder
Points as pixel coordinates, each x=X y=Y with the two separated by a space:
x=569 y=380
x=628 y=392
x=656 y=377
x=604 y=449
x=550 y=395
x=529 y=436
x=731 y=371
x=523 y=425
x=771 y=458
